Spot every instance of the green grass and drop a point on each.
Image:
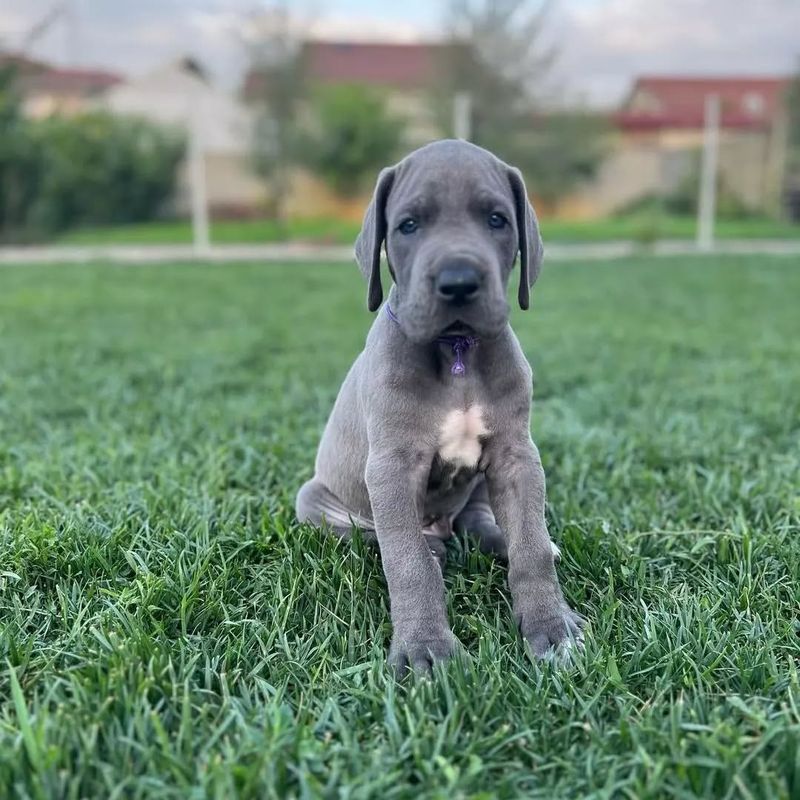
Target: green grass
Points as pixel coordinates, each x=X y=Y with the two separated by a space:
x=254 y=231
x=167 y=630
x=640 y=227
x=649 y=227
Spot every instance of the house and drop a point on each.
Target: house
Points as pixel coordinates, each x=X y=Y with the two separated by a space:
x=48 y=90
x=660 y=132
x=180 y=94
x=674 y=107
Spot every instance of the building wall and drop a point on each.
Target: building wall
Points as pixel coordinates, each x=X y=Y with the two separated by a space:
x=744 y=163
x=634 y=169
x=655 y=164
x=40 y=105
x=232 y=187
x=311 y=197
x=415 y=109
x=221 y=125
x=631 y=170
x=171 y=96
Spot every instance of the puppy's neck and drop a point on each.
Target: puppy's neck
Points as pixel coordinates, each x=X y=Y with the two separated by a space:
x=459 y=345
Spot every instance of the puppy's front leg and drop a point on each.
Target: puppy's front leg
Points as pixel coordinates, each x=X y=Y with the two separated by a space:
x=515 y=479
x=395 y=481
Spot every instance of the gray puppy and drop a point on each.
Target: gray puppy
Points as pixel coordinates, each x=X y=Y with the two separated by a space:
x=431 y=428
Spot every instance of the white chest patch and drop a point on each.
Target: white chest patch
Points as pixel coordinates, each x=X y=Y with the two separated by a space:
x=459 y=436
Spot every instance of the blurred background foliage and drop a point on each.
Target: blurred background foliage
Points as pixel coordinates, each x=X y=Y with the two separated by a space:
x=90 y=169
x=293 y=150
x=349 y=137
x=497 y=54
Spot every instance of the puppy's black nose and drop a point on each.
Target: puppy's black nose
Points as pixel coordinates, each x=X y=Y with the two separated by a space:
x=458 y=285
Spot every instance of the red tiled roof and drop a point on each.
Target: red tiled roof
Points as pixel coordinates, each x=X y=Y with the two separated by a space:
x=20 y=63
x=675 y=102
x=401 y=65
x=406 y=66
x=68 y=81
x=36 y=76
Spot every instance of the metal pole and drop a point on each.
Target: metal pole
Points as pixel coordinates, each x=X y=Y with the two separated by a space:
x=706 y=206
x=462 y=115
x=197 y=185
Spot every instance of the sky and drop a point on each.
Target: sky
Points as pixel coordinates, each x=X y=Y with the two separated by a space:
x=602 y=45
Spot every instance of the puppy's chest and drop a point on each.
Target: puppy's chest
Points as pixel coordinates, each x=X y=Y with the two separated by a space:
x=460 y=437
x=461 y=434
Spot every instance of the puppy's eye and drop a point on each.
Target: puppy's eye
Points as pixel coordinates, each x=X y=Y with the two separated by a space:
x=497 y=221
x=408 y=226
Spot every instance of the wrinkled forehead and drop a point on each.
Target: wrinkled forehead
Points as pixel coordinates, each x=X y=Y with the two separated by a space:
x=431 y=184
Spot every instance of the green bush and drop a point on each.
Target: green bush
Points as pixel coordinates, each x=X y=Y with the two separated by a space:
x=100 y=169
x=20 y=165
x=93 y=169
x=350 y=137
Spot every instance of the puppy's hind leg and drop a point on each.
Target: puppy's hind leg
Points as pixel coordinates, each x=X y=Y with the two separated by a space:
x=477 y=519
x=317 y=505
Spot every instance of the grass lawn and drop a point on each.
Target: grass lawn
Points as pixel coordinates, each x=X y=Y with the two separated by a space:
x=167 y=630
x=252 y=231
x=640 y=227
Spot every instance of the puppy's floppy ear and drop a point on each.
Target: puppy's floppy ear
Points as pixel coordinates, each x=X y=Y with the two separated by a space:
x=371 y=238
x=531 y=249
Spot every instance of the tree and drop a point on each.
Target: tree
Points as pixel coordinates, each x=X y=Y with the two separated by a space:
x=496 y=54
x=20 y=161
x=351 y=136
x=277 y=91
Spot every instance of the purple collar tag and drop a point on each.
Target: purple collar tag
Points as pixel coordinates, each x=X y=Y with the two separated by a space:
x=459 y=345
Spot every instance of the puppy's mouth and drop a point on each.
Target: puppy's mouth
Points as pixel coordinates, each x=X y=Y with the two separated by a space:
x=458 y=328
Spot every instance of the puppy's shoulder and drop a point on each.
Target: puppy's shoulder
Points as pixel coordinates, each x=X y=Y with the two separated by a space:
x=508 y=360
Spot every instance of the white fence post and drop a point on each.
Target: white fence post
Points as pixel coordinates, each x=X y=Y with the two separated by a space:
x=462 y=116
x=706 y=206
x=197 y=183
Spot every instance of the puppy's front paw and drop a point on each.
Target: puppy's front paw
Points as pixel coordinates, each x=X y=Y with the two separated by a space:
x=421 y=650
x=550 y=631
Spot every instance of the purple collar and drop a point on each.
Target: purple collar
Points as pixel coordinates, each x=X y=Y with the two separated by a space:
x=459 y=345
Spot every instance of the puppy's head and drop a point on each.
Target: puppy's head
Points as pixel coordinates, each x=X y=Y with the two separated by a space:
x=453 y=218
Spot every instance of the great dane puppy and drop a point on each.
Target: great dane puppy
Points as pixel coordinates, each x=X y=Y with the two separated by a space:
x=431 y=428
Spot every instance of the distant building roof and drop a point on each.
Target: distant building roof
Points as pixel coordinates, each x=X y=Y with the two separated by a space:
x=36 y=77
x=405 y=66
x=380 y=63
x=68 y=81
x=21 y=63
x=659 y=102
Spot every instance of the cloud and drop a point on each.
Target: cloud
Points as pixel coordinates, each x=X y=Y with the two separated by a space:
x=605 y=44
x=13 y=24
x=602 y=44
x=366 y=29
